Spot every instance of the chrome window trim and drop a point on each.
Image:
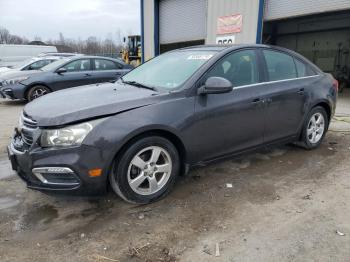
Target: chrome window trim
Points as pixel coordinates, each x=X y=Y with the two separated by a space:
x=277 y=81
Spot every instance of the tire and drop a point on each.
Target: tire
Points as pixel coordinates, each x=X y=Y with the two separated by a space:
x=36 y=92
x=314 y=128
x=137 y=178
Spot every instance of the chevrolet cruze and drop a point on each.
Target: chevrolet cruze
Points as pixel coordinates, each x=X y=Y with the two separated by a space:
x=184 y=108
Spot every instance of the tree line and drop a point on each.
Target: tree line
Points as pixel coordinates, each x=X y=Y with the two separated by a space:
x=90 y=46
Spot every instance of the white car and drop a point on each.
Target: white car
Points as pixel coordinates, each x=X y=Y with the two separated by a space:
x=34 y=63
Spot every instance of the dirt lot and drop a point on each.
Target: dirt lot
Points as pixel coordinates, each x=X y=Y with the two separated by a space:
x=286 y=204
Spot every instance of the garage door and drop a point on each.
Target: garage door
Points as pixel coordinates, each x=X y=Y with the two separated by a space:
x=182 y=20
x=279 y=9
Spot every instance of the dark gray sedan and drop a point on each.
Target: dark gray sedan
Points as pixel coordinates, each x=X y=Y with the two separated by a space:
x=62 y=74
x=184 y=108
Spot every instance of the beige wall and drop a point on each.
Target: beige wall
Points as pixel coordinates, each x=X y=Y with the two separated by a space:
x=248 y=8
x=148 y=29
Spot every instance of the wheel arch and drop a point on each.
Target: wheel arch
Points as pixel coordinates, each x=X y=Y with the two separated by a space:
x=32 y=85
x=171 y=136
x=326 y=106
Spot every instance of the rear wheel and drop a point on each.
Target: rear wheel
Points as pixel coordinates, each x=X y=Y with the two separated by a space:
x=36 y=92
x=315 y=128
x=146 y=171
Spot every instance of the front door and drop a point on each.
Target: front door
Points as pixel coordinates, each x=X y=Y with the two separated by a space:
x=79 y=72
x=234 y=121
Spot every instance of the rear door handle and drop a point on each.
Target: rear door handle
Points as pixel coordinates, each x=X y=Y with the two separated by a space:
x=301 y=91
x=87 y=74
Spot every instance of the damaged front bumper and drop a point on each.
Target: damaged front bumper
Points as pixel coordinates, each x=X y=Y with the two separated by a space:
x=58 y=170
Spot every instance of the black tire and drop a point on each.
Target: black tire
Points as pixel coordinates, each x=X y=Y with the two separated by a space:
x=119 y=174
x=36 y=92
x=305 y=139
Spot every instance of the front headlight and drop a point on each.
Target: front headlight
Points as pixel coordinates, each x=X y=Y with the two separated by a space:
x=14 y=80
x=67 y=136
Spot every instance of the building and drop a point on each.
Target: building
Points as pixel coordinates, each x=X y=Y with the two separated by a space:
x=318 y=29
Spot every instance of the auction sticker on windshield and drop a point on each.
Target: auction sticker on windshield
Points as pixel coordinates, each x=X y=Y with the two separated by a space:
x=199 y=57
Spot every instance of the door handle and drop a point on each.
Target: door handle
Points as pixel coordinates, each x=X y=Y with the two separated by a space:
x=301 y=91
x=256 y=101
x=87 y=74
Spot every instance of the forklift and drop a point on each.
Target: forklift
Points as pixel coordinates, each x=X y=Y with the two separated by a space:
x=131 y=52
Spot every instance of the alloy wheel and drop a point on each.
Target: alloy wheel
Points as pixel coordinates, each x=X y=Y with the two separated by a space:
x=315 y=128
x=149 y=170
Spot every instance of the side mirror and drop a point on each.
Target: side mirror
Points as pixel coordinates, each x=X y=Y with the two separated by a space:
x=61 y=70
x=215 y=85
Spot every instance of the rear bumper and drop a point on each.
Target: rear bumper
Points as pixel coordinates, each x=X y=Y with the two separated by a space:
x=60 y=170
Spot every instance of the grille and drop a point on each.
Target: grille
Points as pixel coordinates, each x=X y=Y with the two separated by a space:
x=28 y=126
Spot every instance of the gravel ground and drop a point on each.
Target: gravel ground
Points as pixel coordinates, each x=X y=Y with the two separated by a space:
x=285 y=204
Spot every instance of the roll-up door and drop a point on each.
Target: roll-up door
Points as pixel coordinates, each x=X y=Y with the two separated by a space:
x=182 y=20
x=280 y=9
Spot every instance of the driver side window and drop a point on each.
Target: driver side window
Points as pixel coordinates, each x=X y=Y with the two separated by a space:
x=239 y=67
x=78 y=65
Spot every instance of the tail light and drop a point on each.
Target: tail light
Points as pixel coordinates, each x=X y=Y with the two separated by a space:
x=336 y=85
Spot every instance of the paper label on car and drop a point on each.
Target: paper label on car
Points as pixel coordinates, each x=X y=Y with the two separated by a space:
x=199 y=57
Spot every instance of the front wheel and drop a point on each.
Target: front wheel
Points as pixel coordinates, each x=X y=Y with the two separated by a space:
x=315 y=128
x=146 y=171
x=36 y=92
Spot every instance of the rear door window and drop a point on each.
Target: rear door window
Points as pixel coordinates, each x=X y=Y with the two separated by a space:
x=280 y=66
x=303 y=69
x=78 y=65
x=104 y=64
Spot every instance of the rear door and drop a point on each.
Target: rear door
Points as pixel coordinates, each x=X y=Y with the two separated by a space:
x=79 y=72
x=107 y=70
x=283 y=93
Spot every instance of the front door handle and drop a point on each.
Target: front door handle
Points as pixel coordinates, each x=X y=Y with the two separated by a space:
x=256 y=101
x=87 y=74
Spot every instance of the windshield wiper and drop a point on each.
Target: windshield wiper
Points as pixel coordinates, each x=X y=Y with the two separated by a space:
x=137 y=84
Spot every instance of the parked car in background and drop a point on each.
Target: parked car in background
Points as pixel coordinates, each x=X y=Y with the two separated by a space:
x=61 y=74
x=183 y=108
x=59 y=54
x=34 y=63
x=10 y=55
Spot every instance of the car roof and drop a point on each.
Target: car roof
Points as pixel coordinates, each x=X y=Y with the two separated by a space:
x=95 y=57
x=224 y=47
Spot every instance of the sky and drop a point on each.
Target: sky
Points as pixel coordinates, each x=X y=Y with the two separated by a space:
x=74 y=18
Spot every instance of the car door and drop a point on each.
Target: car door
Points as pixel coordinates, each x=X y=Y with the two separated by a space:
x=79 y=72
x=106 y=70
x=231 y=121
x=284 y=95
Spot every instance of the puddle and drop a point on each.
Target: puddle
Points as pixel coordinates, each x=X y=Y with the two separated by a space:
x=8 y=202
x=41 y=215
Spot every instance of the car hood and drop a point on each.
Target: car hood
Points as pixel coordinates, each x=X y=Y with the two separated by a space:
x=87 y=102
x=13 y=73
x=4 y=69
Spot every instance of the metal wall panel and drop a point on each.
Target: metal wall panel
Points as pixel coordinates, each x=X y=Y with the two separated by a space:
x=148 y=29
x=279 y=9
x=182 y=20
x=249 y=9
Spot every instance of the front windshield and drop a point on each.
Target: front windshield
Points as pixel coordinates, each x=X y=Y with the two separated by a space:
x=55 y=64
x=170 y=70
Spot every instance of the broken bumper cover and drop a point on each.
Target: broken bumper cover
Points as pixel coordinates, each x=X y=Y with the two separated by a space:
x=59 y=170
